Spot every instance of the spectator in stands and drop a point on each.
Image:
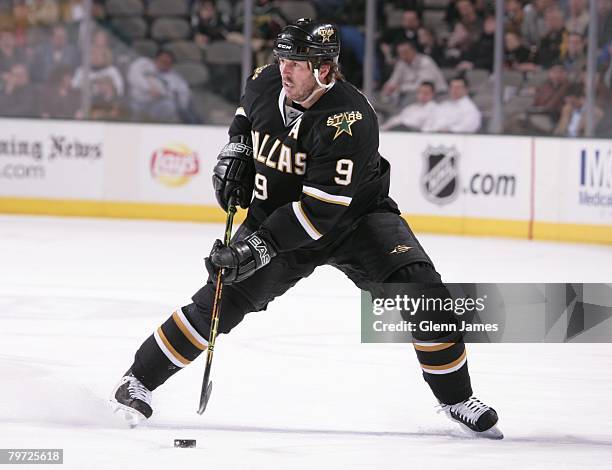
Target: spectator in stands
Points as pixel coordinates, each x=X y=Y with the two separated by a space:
x=471 y=21
x=106 y=104
x=6 y=19
x=548 y=101
x=122 y=55
x=465 y=33
x=409 y=72
x=480 y=54
x=407 y=31
x=430 y=45
x=34 y=40
x=268 y=20
x=18 y=98
x=534 y=24
x=578 y=18
x=516 y=55
x=20 y=21
x=458 y=113
x=158 y=92
x=73 y=11
x=554 y=41
x=43 y=12
x=515 y=16
x=55 y=53
x=9 y=53
x=572 y=122
x=606 y=75
x=59 y=99
x=100 y=38
x=413 y=117
x=604 y=22
x=574 y=58
x=101 y=68
x=604 y=95
x=208 y=24
x=453 y=13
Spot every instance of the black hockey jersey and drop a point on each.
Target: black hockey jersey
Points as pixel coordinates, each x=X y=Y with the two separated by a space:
x=318 y=169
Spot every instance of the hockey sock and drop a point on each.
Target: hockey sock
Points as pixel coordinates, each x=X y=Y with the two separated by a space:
x=445 y=369
x=440 y=349
x=174 y=345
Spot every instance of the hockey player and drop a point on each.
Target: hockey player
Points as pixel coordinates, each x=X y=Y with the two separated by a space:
x=304 y=148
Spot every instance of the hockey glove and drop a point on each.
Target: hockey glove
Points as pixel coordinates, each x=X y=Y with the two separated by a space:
x=234 y=173
x=241 y=259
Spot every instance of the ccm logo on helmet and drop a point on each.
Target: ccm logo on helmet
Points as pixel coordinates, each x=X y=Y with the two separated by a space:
x=280 y=45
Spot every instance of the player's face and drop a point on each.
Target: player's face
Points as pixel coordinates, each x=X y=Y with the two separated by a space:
x=298 y=80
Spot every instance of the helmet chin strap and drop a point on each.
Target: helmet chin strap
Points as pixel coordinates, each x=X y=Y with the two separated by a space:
x=325 y=87
x=316 y=76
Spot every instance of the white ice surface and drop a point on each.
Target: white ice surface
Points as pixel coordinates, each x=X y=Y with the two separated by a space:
x=294 y=388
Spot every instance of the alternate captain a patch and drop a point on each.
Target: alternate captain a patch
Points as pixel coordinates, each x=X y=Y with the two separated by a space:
x=343 y=122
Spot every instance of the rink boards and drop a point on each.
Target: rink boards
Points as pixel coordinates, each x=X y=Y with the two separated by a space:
x=523 y=187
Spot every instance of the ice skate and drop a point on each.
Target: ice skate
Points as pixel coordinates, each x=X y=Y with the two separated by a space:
x=133 y=399
x=475 y=418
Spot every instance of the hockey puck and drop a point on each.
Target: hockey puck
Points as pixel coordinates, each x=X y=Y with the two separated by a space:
x=185 y=443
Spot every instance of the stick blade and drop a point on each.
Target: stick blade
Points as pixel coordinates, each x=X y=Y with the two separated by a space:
x=204 y=397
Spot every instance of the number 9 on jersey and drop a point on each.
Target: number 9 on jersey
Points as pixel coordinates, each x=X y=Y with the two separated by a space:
x=261 y=187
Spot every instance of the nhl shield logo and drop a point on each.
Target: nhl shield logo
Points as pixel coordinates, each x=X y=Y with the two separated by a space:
x=440 y=178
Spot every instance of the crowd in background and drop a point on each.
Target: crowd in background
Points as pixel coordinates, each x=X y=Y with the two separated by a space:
x=179 y=60
x=544 y=67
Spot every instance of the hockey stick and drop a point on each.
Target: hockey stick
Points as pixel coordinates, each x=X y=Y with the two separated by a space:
x=214 y=322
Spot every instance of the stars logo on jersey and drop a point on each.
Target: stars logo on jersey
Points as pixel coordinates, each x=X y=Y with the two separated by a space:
x=400 y=249
x=326 y=34
x=343 y=122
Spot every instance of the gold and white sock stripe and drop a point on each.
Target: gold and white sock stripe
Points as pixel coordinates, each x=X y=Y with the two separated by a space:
x=446 y=368
x=172 y=354
x=431 y=347
x=188 y=330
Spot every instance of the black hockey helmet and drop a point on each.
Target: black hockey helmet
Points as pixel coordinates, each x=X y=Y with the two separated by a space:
x=308 y=40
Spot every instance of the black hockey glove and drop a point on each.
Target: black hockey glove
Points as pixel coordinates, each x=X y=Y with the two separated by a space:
x=234 y=173
x=241 y=259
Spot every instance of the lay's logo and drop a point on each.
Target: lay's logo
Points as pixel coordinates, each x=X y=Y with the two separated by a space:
x=174 y=164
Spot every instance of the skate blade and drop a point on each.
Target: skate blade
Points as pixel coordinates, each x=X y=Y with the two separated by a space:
x=493 y=432
x=132 y=417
